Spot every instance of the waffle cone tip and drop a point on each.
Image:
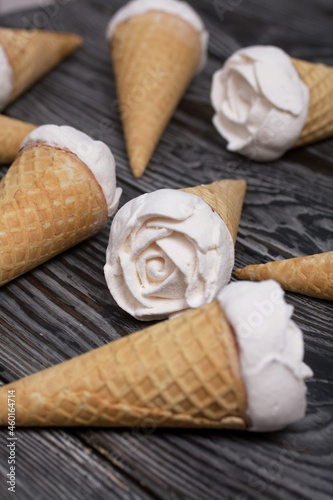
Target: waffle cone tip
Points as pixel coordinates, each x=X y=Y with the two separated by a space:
x=75 y=40
x=33 y=53
x=12 y=133
x=138 y=162
x=310 y=275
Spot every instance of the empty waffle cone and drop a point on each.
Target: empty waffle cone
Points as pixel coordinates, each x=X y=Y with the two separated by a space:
x=155 y=55
x=49 y=201
x=31 y=54
x=226 y=198
x=311 y=275
x=183 y=372
x=319 y=80
x=12 y=133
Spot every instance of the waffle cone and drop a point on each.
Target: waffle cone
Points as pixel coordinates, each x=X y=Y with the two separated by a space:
x=49 y=201
x=32 y=54
x=183 y=372
x=226 y=198
x=12 y=133
x=311 y=275
x=155 y=55
x=319 y=80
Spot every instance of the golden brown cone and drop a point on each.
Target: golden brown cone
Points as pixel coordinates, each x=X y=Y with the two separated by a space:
x=32 y=54
x=155 y=55
x=12 y=133
x=311 y=275
x=49 y=201
x=226 y=198
x=183 y=372
x=319 y=80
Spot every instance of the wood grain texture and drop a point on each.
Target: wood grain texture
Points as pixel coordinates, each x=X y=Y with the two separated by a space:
x=63 y=308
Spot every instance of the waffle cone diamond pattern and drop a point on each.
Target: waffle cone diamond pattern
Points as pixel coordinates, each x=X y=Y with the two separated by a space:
x=319 y=80
x=49 y=201
x=155 y=56
x=226 y=197
x=310 y=275
x=32 y=53
x=182 y=372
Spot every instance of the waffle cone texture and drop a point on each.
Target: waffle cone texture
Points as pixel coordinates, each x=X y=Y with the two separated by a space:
x=155 y=55
x=225 y=197
x=311 y=275
x=319 y=80
x=49 y=201
x=183 y=372
x=12 y=133
x=32 y=54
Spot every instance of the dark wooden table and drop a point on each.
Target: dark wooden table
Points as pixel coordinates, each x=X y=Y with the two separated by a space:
x=63 y=308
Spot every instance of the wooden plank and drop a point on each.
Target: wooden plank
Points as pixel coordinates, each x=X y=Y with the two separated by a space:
x=55 y=464
x=209 y=465
x=63 y=308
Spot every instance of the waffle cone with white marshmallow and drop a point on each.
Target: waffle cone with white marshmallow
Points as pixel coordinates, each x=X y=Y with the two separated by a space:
x=319 y=80
x=183 y=372
x=49 y=201
x=311 y=275
x=12 y=133
x=31 y=54
x=226 y=198
x=155 y=55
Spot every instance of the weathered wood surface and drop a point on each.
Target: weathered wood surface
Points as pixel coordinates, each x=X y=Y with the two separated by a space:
x=63 y=308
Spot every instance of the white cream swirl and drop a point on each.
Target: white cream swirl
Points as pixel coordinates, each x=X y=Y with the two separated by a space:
x=261 y=103
x=180 y=9
x=168 y=251
x=95 y=154
x=7 y=79
x=271 y=353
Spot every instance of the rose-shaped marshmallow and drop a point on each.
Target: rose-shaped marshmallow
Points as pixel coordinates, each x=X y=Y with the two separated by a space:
x=168 y=251
x=261 y=103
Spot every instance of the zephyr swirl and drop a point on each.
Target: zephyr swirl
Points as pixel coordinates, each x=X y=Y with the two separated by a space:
x=168 y=251
x=261 y=103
